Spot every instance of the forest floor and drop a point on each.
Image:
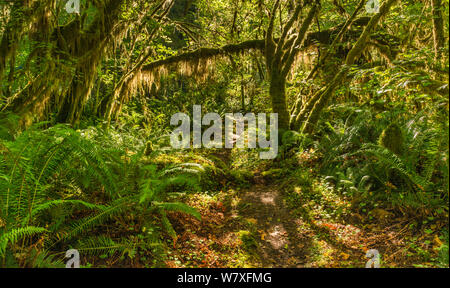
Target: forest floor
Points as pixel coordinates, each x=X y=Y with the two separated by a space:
x=258 y=226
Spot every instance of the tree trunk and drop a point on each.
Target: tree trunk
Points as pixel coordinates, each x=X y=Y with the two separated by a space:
x=322 y=101
x=278 y=96
x=300 y=114
x=352 y=55
x=438 y=29
x=78 y=93
x=12 y=34
x=62 y=90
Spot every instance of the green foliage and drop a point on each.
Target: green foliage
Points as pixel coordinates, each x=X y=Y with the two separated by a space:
x=443 y=252
x=12 y=236
x=392 y=138
x=61 y=184
x=248 y=240
x=113 y=187
x=148 y=148
x=404 y=163
x=273 y=174
x=241 y=177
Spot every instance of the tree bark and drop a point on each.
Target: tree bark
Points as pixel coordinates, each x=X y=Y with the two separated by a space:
x=280 y=55
x=277 y=93
x=83 y=81
x=59 y=88
x=438 y=29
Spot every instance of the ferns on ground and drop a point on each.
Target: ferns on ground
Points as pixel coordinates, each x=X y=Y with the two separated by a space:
x=57 y=184
x=416 y=178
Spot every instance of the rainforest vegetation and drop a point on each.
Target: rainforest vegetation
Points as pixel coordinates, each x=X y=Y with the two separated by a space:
x=360 y=88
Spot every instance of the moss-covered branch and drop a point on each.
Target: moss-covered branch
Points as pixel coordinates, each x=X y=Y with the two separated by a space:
x=324 y=37
x=205 y=53
x=355 y=52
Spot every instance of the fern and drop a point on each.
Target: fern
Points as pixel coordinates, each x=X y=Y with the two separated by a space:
x=46 y=175
x=101 y=245
x=179 y=207
x=420 y=172
x=392 y=161
x=89 y=222
x=167 y=225
x=59 y=203
x=12 y=236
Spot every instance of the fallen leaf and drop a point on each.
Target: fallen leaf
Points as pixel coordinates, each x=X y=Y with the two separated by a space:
x=344 y=256
x=437 y=241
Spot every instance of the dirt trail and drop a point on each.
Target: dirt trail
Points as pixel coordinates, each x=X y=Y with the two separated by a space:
x=279 y=244
x=257 y=227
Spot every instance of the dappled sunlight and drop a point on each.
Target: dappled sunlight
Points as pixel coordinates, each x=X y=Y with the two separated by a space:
x=224 y=134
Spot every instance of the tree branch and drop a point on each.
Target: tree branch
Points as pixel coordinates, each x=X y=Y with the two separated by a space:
x=269 y=41
x=292 y=52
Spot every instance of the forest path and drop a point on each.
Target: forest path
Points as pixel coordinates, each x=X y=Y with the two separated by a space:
x=279 y=243
x=267 y=221
x=264 y=225
x=256 y=226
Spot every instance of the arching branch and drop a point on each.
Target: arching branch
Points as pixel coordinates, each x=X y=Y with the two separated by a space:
x=324 y=37
x=325 y=95
x=205 y=53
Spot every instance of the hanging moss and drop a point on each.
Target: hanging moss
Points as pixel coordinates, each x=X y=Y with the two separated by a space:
x=392 y=138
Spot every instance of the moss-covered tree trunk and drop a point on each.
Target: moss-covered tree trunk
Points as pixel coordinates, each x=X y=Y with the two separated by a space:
x=67 y=76
x=280 y=55
x=326 y=94
x=278 y=97
x=83 y=80
x=21 y=15
x=438 y=28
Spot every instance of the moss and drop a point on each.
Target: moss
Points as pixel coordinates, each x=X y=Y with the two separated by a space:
x=211 y=178
x=248 y=240
x=273 y=174
x=241 y=177
x=392 y=138
x=148 y=148
x=290 y=138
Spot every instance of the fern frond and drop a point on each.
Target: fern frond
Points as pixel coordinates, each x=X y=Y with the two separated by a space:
x=394 y=162
x=16 y=234
x=83 y=225
x=101 y=245
x=167 y=225
x=58 y=203
x=179 y=207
